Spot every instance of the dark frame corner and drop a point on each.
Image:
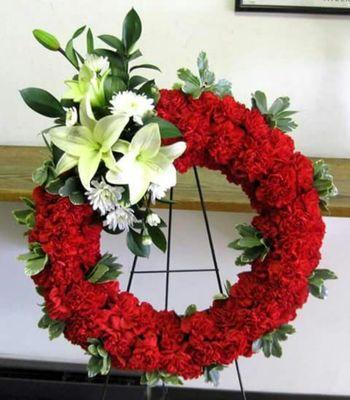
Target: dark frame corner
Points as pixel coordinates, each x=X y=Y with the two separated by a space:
x=240 y=7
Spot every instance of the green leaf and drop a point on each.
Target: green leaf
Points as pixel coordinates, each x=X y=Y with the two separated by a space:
x=25 y=217
x=324 y=274
x=54 y=186
x=158 y=237
x=222 y=88
x=260 y=101
x=105 y=270
x=44 y=321
x=94 y=366
x=188 y=77
x=28 y=202
x=73 y=189
x=97 y=273
x=135 y=245
x=146 y=66
x=248 y=242
x=136 y=54
x=89 y=42
x=136 y=80
x=246 y=230
x=212 y=374
x=114 y=42
x=191 y=309
x=46 y=39
x=45 y=173
x=251 y=243
x=132 y=28
x=269 y=343
x=112 y=85
x=167 y=129
x=150 y=90
x=43 y=102
x=77 y=198
x=78 y=32
x=279 y=105
x=71 y=54
x=56 y=328
x=323 y=182
x=202 y=64
x=36 y=265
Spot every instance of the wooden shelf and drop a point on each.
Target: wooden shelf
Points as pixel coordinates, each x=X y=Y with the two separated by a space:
x=18 y=162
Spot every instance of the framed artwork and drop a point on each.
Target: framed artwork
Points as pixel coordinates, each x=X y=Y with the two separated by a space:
x=295 y=6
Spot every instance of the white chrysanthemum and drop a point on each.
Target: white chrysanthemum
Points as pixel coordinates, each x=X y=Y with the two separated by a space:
x=153 y=219
x=104 y=197
x=157 y=192
x=120 y=218
x=96 y=63
x=132 y=105
x=71 y=116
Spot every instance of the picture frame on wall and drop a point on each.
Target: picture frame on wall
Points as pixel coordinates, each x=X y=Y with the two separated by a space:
x=295 y=6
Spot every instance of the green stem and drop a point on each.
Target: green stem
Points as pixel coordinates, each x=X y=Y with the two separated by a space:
x=65 y=56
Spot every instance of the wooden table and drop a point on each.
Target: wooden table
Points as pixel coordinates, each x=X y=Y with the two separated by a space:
x=18 y=162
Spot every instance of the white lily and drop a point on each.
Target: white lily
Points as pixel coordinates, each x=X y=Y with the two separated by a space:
x=145 y=162
x=89 y=144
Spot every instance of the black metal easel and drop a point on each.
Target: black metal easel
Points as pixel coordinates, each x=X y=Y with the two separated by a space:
x=168 y=271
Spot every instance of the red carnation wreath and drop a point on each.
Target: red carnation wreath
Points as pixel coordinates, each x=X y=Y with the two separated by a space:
x=282 y=245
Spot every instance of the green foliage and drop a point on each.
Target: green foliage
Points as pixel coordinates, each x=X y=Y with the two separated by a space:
x=278 y=115
x=251 y=243
x=158 y=237
x=191 y=309
x=316 y=282
x=150 y=90
x=270 y=343
x=46 y=39
x=55 y=327
x=100 y=360
x=226 y=294
x=152 y=378
x=114 y=42
x=67 y=187
x=145 y=66
x=212 y=373
x=105 y=270
x=132 y=28
x=323 y=182
x=205 y=82
x=70 y=53
x=44 y=174
x=89 y=41
x=167 y=129
x=43 y=102
x=35 y=259
x=26 y=217
x=135 y=243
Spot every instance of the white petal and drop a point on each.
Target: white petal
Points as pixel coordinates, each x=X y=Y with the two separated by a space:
x=86 y=115
x=122 y=146
x=72 y=140
x=146 y=141
x=65 y=163
x=166 y=178
x=108 y=130
x=88 y=165
x=173 y=151
x=138 y=183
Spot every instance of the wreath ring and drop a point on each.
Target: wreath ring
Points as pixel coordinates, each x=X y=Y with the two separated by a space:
x=84 y=301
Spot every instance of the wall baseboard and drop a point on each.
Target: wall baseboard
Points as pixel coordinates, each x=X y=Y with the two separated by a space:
x=38 y=380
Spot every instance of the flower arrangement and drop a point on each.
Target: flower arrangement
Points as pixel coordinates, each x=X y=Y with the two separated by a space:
x=115 y=146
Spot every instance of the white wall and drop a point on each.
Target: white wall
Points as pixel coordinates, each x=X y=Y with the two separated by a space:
x=305 y=57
